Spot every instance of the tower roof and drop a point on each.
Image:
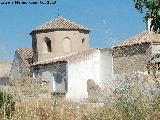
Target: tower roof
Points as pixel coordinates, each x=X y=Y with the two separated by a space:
x=60 y=23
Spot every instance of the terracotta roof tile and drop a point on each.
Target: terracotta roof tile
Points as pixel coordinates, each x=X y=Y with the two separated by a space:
x=25 y=54
x=60 y=23
x=146 y=36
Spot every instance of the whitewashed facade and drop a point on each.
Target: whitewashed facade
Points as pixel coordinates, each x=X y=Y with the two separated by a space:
x=79 y=71
x=94 y=64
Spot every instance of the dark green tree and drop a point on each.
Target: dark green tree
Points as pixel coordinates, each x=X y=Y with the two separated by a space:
x=152 y=10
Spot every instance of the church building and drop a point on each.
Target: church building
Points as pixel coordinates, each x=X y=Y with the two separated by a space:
x=62 y=58
x=63 y=61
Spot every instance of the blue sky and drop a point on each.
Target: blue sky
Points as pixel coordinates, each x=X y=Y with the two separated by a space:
x=111 y=21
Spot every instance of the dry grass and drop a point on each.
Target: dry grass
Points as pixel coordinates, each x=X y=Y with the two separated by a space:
x=30 y=105
x=133 y=99
x=50 y=109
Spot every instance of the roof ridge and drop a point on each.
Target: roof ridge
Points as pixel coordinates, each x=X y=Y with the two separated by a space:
x=23 y=48
x=142 y=37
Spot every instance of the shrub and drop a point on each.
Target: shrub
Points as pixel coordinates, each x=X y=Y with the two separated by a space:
x=133 y=99
x=7 y=105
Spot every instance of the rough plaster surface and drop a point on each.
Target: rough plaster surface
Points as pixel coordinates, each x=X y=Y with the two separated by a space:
x=55 y=76
x=18 y=67
x=130 y=64
x=130 y=59
x=96 y=66
x=57 y=38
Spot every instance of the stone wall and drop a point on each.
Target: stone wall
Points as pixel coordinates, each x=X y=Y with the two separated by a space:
x=130 y=50
x=130 y=64
x=131 y=59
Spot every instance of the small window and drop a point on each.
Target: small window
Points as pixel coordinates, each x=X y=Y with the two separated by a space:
x=83 y=40
x=48 y=45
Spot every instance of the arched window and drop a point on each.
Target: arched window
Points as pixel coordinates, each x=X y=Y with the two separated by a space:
x=47 y=46
x=67 y=45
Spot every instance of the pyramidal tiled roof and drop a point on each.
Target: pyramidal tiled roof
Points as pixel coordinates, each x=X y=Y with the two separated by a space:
x=25 y=54
x=146 y=36
x=60 y=23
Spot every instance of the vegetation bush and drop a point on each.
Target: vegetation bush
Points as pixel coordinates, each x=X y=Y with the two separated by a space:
x=7 y=105
x=133 y=99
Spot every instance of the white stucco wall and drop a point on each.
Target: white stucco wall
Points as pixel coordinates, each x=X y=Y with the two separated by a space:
x=93 y=65
x=106 y=72
x=79 y=71
x=105 y=66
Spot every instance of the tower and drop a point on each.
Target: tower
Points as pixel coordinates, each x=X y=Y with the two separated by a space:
x=58 y=37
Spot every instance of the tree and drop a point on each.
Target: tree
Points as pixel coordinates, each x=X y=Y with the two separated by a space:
x=152 y=10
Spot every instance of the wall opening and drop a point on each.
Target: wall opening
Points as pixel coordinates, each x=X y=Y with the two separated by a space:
x=83 y=44
x=48 y=47
x=67 y=45
x=48 y=80
x=83 y=40
x=59 y=78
